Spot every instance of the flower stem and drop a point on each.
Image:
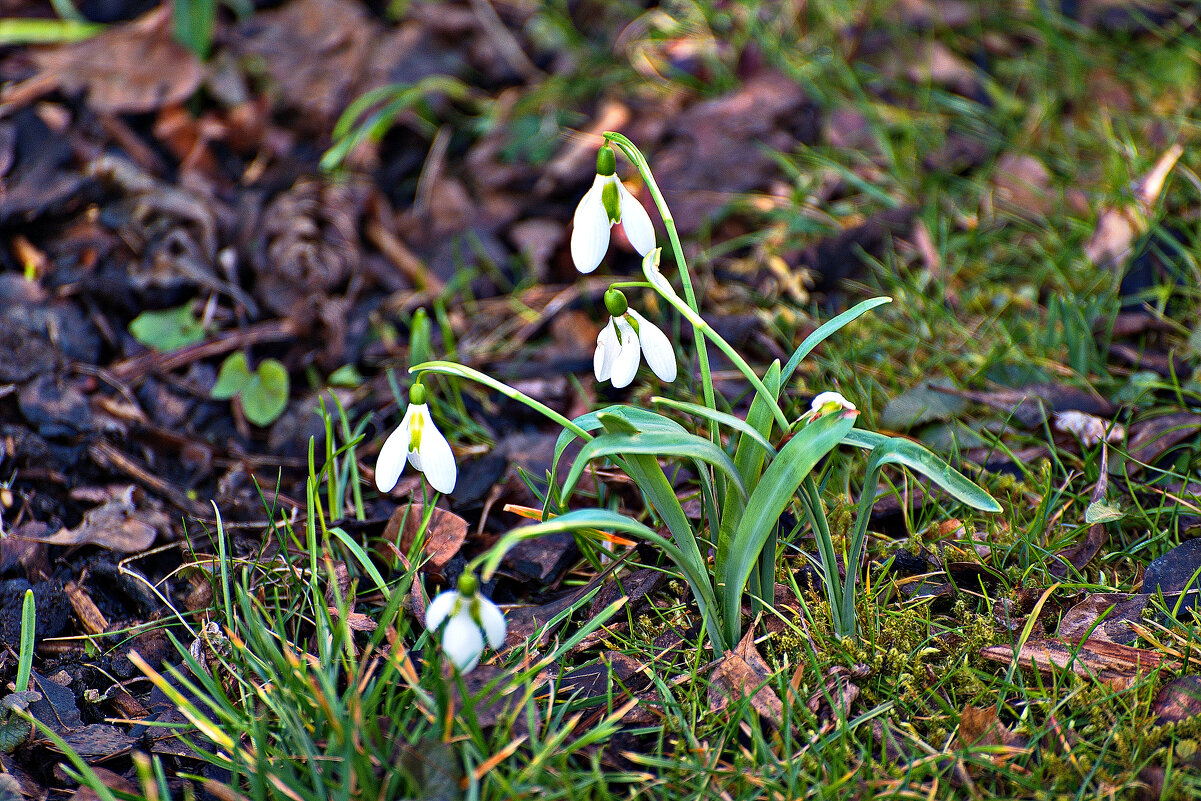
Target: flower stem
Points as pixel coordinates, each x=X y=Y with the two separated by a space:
x=639 y=161
x=462 y=371
x=705 y=330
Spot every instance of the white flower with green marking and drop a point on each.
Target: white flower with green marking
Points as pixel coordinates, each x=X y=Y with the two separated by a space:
x=417 y=441
x=625 y=340
x=827 y=402
x=466 y=621
x=607 y=203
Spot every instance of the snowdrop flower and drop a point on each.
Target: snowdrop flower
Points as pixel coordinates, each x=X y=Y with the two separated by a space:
x=469 y=619
x=825 y=403
x=625 y=340
x=417 y=441
x=606 y=203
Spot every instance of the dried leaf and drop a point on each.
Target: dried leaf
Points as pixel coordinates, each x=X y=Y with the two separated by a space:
x=833 y=702
x=1150 y=439
x=1089 y=428
x=1175 y=573
x=1023 y=186
x=707 y=156
x=129 y=69
x=1118 y=666
x=128 y=523
x=313 y=50
x=444 y=536
x=1178 y=701
x=742 y=673
x=1115 y=610
x=1118 y=226
x=980 y=726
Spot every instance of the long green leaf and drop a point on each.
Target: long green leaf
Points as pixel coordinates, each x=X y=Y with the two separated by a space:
x=648 y=475
x=896 y=450
x=684 y=445
x=825 y=330
x=906 y=452
x=748 y=460
x=767 y=502
x=727 y=420
x=642 y=419
x=606 y=520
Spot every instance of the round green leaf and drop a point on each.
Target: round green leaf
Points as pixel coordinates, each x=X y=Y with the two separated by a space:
x=266 y=394
x=234 y=375
x=167 y=329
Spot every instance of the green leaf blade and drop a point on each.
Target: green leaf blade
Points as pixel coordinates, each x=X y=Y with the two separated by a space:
x=767 y=502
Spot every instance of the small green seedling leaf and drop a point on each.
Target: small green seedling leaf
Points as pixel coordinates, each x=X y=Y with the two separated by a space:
x=1101 y=512
x=346 y=376
x=167 y=329
x=234 y=375
x=264 y=393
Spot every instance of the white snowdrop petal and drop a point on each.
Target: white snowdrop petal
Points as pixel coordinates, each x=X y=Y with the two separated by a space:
x=625 y=366
x=440 y=608
x=590 y=229
x=636 y=222
x=392 y=457
x=656 y=348
x=462 y=642
x=606 y=352
x=830 y=397
x=493 y=621
x=437 y=459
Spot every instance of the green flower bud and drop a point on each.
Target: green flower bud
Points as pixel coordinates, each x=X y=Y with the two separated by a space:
x=606 y=161
x=615 y=302
x=469 y=585
x=417 y=394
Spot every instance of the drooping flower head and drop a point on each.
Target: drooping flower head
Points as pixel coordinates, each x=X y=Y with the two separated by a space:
x=625 y=340
x=469 y=620
x=417 y=441
x=607 y=203
x=826 y=403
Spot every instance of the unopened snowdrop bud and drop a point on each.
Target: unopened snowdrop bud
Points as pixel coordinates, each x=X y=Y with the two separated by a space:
x=828 y=402
x=625 y=340
x=467 y=620
x=607 y=203
x=417 y=441
x=615 y=302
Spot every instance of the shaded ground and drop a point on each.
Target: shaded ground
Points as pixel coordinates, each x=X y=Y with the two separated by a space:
x=139 y=178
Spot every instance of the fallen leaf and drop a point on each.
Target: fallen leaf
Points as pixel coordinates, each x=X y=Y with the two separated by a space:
x=833 y=702
x=128 y=523
x=441 y=539
x=742 y=673
x=314 y=51
x=1089 y=428
x=129 y=69
x=1174 y=573
x=980 y=726
x=706 y=159
x=920 y=404
x=1031 y=404
x=1022 y=185
x=355 y=621
x=1178 y=701
x=1118 y=666
x=1115 y=610
x=1118 y=226
x=1150 y=439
